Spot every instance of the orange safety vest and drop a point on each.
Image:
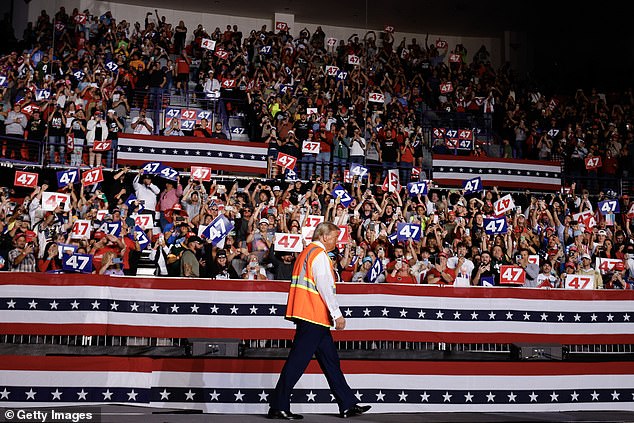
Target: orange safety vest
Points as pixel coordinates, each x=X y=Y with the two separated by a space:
x=304 y=301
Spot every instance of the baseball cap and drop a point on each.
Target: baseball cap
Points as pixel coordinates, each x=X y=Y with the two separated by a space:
x=221 y=253
x=443 y=254
x=111 y=111
x=586 y=256
x=602 y=232
x=367 y=259
x=264 y=220
x=277 y=188
x=194 y=238
x=570 y=264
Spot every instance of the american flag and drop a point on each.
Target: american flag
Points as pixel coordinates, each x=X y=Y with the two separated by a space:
x=69 y=304
x=504 y=173
x=241 y=386
x=183 y=152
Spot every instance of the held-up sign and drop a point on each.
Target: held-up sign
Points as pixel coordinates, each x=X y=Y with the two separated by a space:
x=455 y=58
x=311 y=111
x=503 y=205
x=42 y=95
x=228 y=83
x=347 y=177
x=573 y=281
x=534 y=259
x=25 y=179
x=3 y=81
x=112 y=66
x=593 y=162
x=311 y=147
x=288 y=242
x=392 y=183
x=376 y=98
x=495 y=226
x=417 y=188
x=609 y=206
x=100 y=146
x=152 y=167
x=332 y=70
x=286 y=161
x=92 y=176
x=441 y=43
x=415 y=173
x=512 y=275
x=208 y=44
x=218 y=229
x=140 y=236
x=310 y=223
x=81 y=263
x=472 y=185
x=375 y=271
x=331 y=42
x=81 y=229
x=353 y=60
x=111 y=228
x=358 y=170
x=281 y=26
x=222 y=54
x=408 y=231
x=389 y=29
x=50 y=200
x=585 y=218
x=144 y=221
x=341 y=193
x=200 y=173
x=101 y=214
x=265 y=50
x=604 y=265
x=80 y=19
x=344 y=235
x=168 y=173
x=446 y=87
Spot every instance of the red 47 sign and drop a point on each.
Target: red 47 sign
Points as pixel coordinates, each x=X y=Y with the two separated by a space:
x=441 y=43
x=201 y=173
x=288 y=242
x=310 y=147
x=286 y=161
x=446 y=87
x=503 y=205
x=100 y=146
x=454 y=58
x=81 y=229
x=281 y=26
x=229 y=83
x=376 y=97
x=25 y=179
x=144 y=221
x=593 y=162
x=222 y=54
x=512 y=275
x=344 y=235
x=92 y=176
x=465 y=134
x=579 y=282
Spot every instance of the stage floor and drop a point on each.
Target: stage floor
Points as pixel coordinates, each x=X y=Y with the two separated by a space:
x=126 y=414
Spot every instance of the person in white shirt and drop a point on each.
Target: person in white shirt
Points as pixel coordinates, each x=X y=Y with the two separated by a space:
x=142 y=124
x=146 y=191
x=464 y=267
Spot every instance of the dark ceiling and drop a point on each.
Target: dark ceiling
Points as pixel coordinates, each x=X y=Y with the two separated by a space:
x=450 y=17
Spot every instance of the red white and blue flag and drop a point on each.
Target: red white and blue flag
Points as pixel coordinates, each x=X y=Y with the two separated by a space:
x=503 y=173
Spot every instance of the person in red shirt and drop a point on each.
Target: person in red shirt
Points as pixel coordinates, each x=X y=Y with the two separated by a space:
x=400 y=273
x=440 y=274
x=105 y=244
x=323 y=158
x=182 y=71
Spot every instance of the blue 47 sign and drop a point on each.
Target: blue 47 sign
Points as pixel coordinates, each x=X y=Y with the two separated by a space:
x=217 y=230
x=408 y=231
x=495 y=226
x=609 y=206
x=81 y=263
x=417 y=188
x=472 y=185
x=341 y=193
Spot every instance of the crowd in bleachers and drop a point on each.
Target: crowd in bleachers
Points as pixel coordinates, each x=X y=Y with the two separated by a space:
x=78 y=77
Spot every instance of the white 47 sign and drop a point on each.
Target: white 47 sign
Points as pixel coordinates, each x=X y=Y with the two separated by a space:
x=288 y=242
x=579 y=282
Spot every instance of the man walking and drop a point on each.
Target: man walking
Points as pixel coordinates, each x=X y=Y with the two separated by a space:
x=313 y=306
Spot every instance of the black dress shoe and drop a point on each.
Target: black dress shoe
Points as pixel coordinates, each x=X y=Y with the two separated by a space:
x=283 y=415
x=355 y=410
